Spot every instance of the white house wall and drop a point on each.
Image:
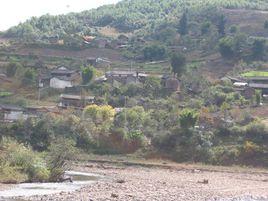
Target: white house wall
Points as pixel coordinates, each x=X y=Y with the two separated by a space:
x=59 y=84
x=14 y=116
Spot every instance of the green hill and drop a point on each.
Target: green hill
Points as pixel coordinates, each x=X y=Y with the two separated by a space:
x=127 y=16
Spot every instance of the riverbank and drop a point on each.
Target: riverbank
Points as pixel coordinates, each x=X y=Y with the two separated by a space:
x=158 y=183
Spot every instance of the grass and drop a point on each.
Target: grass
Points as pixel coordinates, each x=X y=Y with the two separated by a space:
x=255 y=74
x=5 y=94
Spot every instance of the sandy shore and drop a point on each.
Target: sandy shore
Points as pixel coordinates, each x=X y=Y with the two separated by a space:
x=160 y=184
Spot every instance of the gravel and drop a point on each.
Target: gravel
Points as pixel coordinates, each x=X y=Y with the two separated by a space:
x=160 y=184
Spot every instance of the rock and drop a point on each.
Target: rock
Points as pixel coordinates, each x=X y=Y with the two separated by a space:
x=205 y=181
x=196 y=171
x=113 y=195
x=120 y=181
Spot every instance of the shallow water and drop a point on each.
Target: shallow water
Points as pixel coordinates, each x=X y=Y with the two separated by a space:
x=80 y=179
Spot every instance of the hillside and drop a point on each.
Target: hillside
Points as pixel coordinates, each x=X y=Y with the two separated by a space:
x=128 y=15
x=179 y=80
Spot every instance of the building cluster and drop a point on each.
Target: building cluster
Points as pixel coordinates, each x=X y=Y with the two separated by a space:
x=247 y=86
x=66 y=81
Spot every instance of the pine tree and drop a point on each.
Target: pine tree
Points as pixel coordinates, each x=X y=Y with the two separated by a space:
x=221 y=25
x=183 y=27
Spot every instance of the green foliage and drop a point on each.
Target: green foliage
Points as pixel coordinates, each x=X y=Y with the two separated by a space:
x=178 y=62
x=258 y=97
x=29 y=77
x=154 y=52
x=127 y=16
x=22 y=163
x=205 y=27
x=12 y=68
x=188 y=118
x=255 y=74
x=221 y=25
x=258 y=49
x=226 y=47
x=152 y=87
x=233 y=29
x=266 y=24
x=88 y=74
x=183 y=25
x=132 y=119
x=59 y=152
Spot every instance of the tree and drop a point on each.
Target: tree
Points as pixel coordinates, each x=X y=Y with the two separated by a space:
x=99 y=114
x=152 y=87
x=226 y=47
x=87 y=74
x=266 y=24
x=29 y=77
x=188 y=118
x=221 y=25
x=59 y=152
x=258 y=49
x=183 y=26
x=205 y=27
x=178 y=62
x=154 y=52
x=258 y=97
x=131 y=119
x=234 y=29
x=12 y=68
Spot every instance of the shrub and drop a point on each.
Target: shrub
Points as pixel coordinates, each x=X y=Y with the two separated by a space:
x=224 y=155
x=22 y=163
x=178 y=62
x=88 y=74
x=233 y=29
x=266 y=24
x=12 y=68
x=29 y=77
x=226 y=47
x=258 y=48
x=154 y=52
x=205 y=27
x=188 y=118
x=59 y=152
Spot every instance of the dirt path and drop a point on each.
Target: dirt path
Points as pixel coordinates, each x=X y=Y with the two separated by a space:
x=136 y=183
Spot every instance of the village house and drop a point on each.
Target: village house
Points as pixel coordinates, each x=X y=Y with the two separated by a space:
x=37 y=111
x=12 y=113
x=75 y=101
x=170 y=83
x=257 y=79
x=60 y=78
x=247 y=86
x=51 y=39
x=98 y=62
x=125 y=77
x=101 y=42
x=88 y=39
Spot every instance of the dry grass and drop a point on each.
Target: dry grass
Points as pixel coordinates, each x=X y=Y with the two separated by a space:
x=111 y=32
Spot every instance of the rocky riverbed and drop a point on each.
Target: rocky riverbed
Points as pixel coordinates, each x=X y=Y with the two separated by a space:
x=136 y=183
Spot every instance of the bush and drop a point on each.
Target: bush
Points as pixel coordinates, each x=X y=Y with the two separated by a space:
x=59 y=152
x=188 y=118
x=29 y=77
x=258 y=48
x=266 y=24
x=22 y=163
x=226 y=47
x=205 y=27
x=233 y=29
x=88 y=74
x=155 y=52
x=224 y=155
x=12 y=68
